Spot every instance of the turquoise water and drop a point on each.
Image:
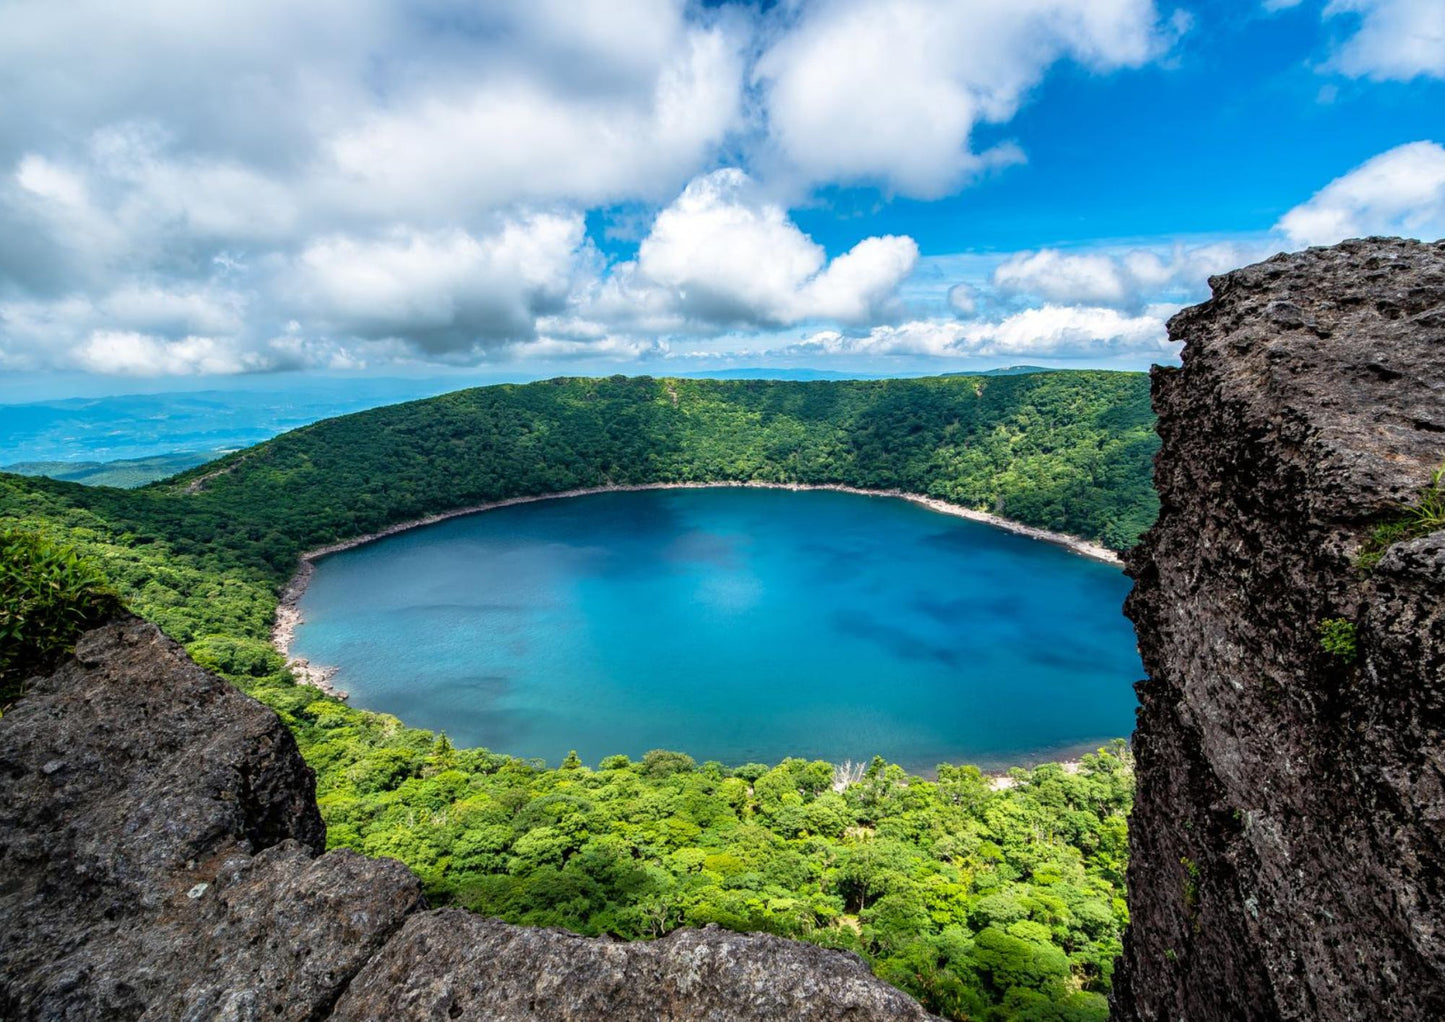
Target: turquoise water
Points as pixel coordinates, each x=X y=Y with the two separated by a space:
x=731 y=624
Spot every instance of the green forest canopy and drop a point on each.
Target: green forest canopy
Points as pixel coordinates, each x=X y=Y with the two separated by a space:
x=995 y=903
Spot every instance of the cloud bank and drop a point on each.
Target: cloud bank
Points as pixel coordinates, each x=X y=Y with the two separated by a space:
x=232 y=188
x=1115 y=302
x=222 y=188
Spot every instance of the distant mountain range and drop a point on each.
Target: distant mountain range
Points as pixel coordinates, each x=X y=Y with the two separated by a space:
x=764 y=373
x=136 y=426
x=1007 y=371
x=124 y=472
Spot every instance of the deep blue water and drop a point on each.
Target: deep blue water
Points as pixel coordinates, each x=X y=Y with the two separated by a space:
x=731 y=624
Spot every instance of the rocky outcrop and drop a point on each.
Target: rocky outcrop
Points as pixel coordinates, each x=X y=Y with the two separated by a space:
x=1288 y=836
x=159 y=859
x=158 y=850
x=452 y=964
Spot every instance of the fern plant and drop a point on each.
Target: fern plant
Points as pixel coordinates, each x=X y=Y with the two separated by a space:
x=49 y=594
x=1338 y=638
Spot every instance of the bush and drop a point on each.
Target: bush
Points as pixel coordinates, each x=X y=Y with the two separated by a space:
x=237 y=656
x=48 y=596
x=1337 y=636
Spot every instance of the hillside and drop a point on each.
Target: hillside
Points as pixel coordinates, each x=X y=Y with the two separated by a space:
x=1064 y=451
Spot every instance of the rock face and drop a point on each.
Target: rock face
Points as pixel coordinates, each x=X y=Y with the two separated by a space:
x=158 y=840
x=452 y=964
x=1288 y=836
x=159 y=843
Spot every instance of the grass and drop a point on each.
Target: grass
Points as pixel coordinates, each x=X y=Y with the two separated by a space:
x=1429 y=514
x=1421 y=518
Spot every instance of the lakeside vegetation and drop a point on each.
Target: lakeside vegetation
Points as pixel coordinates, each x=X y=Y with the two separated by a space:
x=985 y=903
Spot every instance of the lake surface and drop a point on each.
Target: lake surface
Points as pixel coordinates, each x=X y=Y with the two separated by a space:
x=732 y=624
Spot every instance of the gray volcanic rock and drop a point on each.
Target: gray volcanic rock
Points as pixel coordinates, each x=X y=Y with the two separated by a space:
x=158 y=860
x=1288 y=836
x=158 y=834
x=454 y=965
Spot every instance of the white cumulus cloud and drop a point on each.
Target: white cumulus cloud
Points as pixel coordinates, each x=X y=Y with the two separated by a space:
x=890 y=90
x=1051 y=331
x=128 y=353
x=726 y=254
x=220 y=187
x=1074 y=331
x=1127 y=280
x=444 y=291
x=517 y=140
x=1401 y=191
x=1395 y=39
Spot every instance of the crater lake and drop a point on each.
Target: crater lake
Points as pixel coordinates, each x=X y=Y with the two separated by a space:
x=732 y=624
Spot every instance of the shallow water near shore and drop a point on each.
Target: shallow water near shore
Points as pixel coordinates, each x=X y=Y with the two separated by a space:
x=731 y=624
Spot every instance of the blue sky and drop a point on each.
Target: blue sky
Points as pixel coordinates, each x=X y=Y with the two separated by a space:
x=208 y=194
x=1223 y=137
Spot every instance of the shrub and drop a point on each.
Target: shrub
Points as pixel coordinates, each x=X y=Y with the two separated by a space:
x=48 y=596
x=664 y=763
x=237 y=656
x=1337 y=636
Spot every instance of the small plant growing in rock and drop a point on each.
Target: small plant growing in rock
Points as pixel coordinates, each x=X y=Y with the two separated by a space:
x=1424 y=516
x=1428 y=514
x=1191 y=889
x=1337 y=638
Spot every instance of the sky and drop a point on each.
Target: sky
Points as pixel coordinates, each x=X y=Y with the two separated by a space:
x=205 y=193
